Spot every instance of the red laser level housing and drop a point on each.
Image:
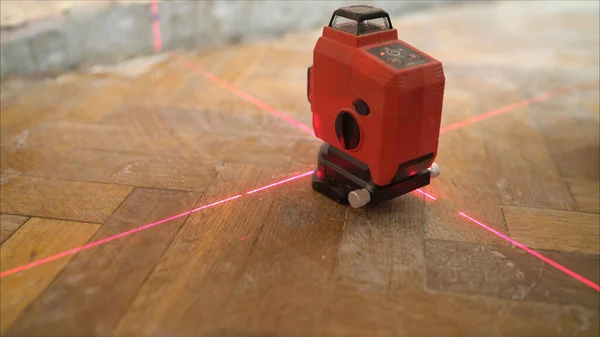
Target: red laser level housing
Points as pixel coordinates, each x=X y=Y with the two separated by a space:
x=374 y=97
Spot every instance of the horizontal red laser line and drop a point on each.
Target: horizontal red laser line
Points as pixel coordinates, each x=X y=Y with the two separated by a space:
x=244 y=95
x=534 y=253
x=138 y=229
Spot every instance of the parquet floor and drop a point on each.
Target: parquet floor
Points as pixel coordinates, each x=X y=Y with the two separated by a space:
x=96 y=159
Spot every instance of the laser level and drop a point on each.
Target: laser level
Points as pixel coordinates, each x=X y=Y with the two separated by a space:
x=376 y=103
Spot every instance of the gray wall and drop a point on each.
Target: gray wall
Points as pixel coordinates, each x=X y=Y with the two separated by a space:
x=87 y=36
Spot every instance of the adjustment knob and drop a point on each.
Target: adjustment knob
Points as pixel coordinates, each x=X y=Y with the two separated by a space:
x=359 y=198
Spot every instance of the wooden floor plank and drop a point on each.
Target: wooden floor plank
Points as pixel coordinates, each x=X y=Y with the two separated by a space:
x=573 y=140
x=95 y=106
x=184 y=172
x=9 y=224
x=161 y=84
x=278 y=78
x=417 y=313
x=382 y=248
x=463 y=185
x=209 y=93
x=69 y=136
x=290 y=268
x=36 y=239
x=586 y=193
x=286 y=92
x=307 y=153
x=60 y=199
x=554 y=230
x=95 y=289
x=147 y=119
x=254 y=149
x=51 y=102
x=530 y=175
x=202 y=265
x=472 y=180
x=235 y=68
x=508 y=273
x=213 y=108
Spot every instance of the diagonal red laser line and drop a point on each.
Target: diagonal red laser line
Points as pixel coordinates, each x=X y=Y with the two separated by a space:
x=110 y=238
x=280 y=182
x=534 y=253
x=512 y=107
x=450 y=127
x=244 y=95
x=426 y=194
x=138 y=229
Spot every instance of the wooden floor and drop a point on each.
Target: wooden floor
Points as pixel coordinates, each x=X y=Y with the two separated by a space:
x=88 y=156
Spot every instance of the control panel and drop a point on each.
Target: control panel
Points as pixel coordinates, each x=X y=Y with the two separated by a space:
x=399 y=56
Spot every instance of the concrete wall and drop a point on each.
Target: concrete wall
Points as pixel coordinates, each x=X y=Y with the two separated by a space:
x=108 y=32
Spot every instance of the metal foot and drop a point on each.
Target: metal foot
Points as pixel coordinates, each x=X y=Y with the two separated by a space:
x=434 y=170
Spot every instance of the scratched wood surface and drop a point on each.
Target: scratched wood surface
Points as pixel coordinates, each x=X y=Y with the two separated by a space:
x=91 y=155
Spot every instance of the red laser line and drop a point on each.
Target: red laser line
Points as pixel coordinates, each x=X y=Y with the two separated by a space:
x=110 y=238
x=511 y=107
x=156 y=26
x=536 y=254
x=426 y=194
x=138 y=229
x=244 y=95
x=280 y=182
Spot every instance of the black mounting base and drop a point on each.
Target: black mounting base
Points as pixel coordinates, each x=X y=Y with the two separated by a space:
x=337 y=175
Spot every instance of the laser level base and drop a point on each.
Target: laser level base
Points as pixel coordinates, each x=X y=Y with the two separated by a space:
x=348 y=181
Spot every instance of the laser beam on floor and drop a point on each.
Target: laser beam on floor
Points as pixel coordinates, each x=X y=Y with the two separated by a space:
x=141 y=228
